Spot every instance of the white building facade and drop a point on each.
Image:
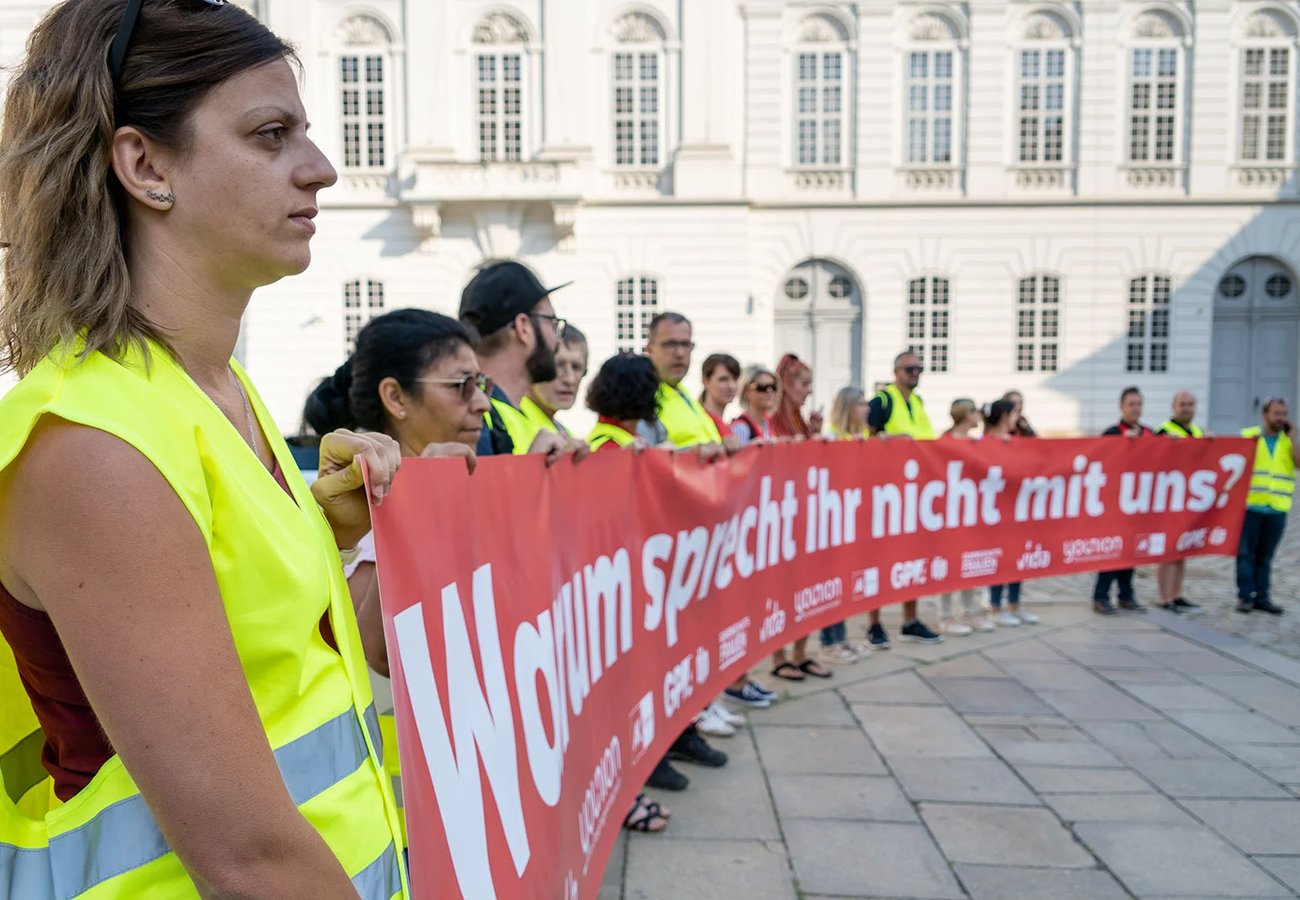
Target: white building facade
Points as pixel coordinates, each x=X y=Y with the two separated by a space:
x=1061 y=197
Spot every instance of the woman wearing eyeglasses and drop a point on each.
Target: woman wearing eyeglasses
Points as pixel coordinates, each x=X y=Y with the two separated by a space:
x=184 y=707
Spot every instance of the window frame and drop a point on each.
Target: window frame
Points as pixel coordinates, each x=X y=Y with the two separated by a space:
x=1267 y=45
x=1037 y=342
x=956 y=111
x=845 y=47
x=499 y=53
x=1155 y=46
x=636 y=302
x=362 y=119
x=932 y=348
x=360 y=307
x=1149 y=306
x=638 y=52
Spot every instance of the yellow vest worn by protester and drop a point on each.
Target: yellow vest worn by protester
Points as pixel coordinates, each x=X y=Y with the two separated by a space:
x=521 y=429
x=841 y=435
x=603 y=433
x=905 y=420
x=540 y=420
x=685 y=419
x=1272 y=484
x=1170 y=428
x=278 y=572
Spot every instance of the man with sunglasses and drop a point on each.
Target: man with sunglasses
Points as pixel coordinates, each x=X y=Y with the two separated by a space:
x=897 y=412
x=1272 y=486
x=519 y=333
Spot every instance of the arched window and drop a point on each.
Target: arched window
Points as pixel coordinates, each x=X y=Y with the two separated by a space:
x=929 y=321
x=638 y=92
x=1267 y=97
x=363 y=299
x=636 y=302
x=364 y=68
x=1148 y=324
x=1038 y=323
x=933 y=73
x=1045 y=93
x=1154 y=104
x=500 y=82
x=823 y=94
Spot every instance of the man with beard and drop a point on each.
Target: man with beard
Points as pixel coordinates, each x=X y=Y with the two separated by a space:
x=518 y=336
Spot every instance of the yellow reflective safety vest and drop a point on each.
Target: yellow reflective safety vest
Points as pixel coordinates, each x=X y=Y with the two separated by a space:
x=841 y=435
x=541 y=421
x=905 y=417
x=1272 y=484
x=687 y=422
x=604 y=432
x=279 y=573
x=1170 y=428
x=521 y=429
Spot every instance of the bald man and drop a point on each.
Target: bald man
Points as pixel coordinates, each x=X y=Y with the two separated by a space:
x=1170 y=576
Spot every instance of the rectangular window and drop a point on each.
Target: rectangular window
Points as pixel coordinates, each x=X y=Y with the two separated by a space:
x=498 y=88
x=361 y=108
x=930 y=93
x=1042 y=106
x=1148 y=324
x=819 y=108
x=1153 y=104
x=1038 y=323
x=928 y=321
x=1265 y=89
x=636 y=109
x=362 y=301
x=636 y=302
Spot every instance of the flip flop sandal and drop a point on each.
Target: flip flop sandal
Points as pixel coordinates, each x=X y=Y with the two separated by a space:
x=789 y=671
x=642 y=817
x=657 y=810
x=814 y=668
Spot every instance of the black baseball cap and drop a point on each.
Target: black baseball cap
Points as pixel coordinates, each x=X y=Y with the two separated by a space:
x=498 y=293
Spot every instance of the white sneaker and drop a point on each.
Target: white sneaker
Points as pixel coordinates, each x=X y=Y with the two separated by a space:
x=1006 y=619
x=982 y=624
x=956 y=629
x=735 y=720
x=710 y=723
x=1027 y=617
x=840 y=653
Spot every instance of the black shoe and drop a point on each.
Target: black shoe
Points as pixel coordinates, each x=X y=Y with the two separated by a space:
x=666 y=778
x=692 y=748
x=1185 y=606
x=1245 y=606
x=877 y=637
x=1103 y=608
x=1172 y=607
x=1268 y=606
x=1132 y=606
x=916 y=632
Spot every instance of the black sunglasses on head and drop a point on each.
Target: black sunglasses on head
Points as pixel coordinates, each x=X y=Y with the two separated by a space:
x=126 y=31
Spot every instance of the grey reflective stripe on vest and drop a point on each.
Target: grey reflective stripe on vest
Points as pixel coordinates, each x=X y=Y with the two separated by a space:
x=125 y=836
x=381 y=879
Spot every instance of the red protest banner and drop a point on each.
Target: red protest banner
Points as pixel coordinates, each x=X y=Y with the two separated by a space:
x=551 y=631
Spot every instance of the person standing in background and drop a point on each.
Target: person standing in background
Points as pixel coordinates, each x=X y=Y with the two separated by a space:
x=1170 y=576
x=759 y=395
x=965 y=419
x=1129 y=426
x=1000 y=423
x=721 y=372
x=1272 y=486
x=546 y=398
x=848 y=423
x=1022 y=427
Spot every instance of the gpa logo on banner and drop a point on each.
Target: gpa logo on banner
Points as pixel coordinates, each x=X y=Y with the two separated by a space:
x=1082 y=550
x=1034 y=558
x=1218 y=536
x=866 y=583
x=642 y=722
x=979 y=563
x=1150 y=544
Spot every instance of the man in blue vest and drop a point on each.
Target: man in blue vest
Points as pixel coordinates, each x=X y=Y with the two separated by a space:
x=1272 y=487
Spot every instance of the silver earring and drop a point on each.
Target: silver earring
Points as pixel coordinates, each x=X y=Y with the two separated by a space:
x=157 y=197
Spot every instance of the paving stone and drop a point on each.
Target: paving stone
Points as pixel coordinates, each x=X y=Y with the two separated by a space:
x=746 y=814
x=968 y=665
x=1270 y=696
x=660 y=866
x=1056 y=753
x=961 y=780
x=1101 y=702
x=1060 y=780
x=828 y=751
x=1109 y=656
x=919 y=731
x=1011 y=883
x=1016 y=836
x=862 y=797
x=1126 y=677
x=903 y=688
x=1263 y=756
x=1181 y=697
x=1242 y=728
x=986 y=695
x=1203 y=662
x=1175 y=859
x=1117 y=808
x=1255 y=826
x=1031 y=650
x=1285 y=868
x=611 y=884
x=1157 y=642
x=1133 y=741
x=1061 y=675
x=1209 y=778
x=863 y=859
x=825 y=709
x=1048 y=720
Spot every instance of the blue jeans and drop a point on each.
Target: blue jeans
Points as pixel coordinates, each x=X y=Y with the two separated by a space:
x=1122 y=577
x=835 y=634
x=1260 y=535
x=1013 y=594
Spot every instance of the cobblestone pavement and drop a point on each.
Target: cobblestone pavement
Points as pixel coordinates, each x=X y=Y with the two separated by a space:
x=1148 y=756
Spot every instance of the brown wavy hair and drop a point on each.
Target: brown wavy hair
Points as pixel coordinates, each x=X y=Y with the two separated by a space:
x=63 y=214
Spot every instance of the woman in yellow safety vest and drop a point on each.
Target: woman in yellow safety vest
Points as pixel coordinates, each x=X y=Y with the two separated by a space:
x=185 y=705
